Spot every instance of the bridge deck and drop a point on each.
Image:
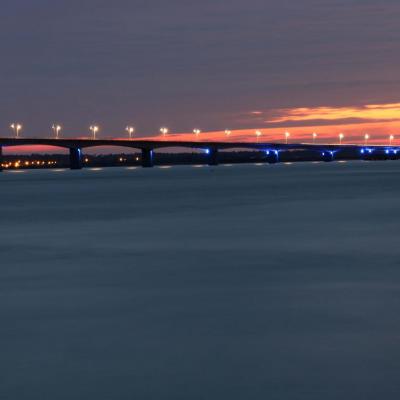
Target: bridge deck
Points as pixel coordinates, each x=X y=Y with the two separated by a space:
x=75 y=146
x=157 y=144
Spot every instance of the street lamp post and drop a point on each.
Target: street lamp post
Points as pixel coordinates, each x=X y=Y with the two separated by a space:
x=227 y=133
x=56 y=130
x=314 y=137
x=16 y=127
x=197 y=133
x=366 y=138
x=287 y=136
x=94 y=129
x=258 y=135
x=341 y=137
x=391 y=138
x=164 y=131
x=130 y=130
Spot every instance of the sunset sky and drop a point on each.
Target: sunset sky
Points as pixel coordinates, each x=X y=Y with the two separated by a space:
x=327 y=66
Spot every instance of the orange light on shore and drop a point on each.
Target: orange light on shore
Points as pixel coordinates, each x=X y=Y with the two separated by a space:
x=287 y=136
x=341 y=137
x=197 y=133
x=258 y=135
x=391 y=138
x=228 y=133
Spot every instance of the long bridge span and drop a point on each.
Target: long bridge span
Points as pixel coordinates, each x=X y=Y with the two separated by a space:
x=327 y=152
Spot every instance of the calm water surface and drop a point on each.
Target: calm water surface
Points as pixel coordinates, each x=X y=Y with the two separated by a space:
x=241 y=282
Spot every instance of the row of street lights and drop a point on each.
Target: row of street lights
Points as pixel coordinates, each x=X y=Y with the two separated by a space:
x=94 y=129
x=315 y=135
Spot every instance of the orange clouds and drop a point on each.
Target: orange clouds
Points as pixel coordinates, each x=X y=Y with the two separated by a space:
x=371 y=113
x=378 y=120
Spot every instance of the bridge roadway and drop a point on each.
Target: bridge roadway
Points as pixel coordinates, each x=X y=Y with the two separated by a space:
x=147 y=147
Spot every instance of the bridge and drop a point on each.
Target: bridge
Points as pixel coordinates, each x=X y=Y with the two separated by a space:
x=327 y=152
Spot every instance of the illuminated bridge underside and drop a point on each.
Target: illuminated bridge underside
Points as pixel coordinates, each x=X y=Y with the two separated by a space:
x=75 y=146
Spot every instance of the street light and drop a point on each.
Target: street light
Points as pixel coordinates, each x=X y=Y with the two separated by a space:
x=391 y=138
x=56 y=130
x=258 y=134
x=197 y=133
x=94 y=129
x=287 y=136
x=314 y=137
x=130 y=130
x=16 y=127
x=164 y=131
x=341 y=137
x=228 y=133
x=366 y=138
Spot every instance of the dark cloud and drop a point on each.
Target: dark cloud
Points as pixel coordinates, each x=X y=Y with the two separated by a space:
x=185 y=63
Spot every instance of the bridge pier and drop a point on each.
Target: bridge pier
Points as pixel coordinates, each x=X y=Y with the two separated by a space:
x=272 y=156
x=213 y=157
x=328 y=156
x=1 y=158
x=75 y=158
x=366 y=154
x=147 y=158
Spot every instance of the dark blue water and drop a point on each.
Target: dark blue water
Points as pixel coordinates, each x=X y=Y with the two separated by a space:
x=245 y=282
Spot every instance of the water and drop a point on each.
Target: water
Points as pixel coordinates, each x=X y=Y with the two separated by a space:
x=236 y=282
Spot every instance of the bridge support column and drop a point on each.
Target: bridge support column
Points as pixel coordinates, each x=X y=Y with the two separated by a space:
x=1 y=158
x=213 y=157
x=147 y=158
x=273 y=156
x=75 y=158
x=327 y=156
x=366 y=154
x=394 y=155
